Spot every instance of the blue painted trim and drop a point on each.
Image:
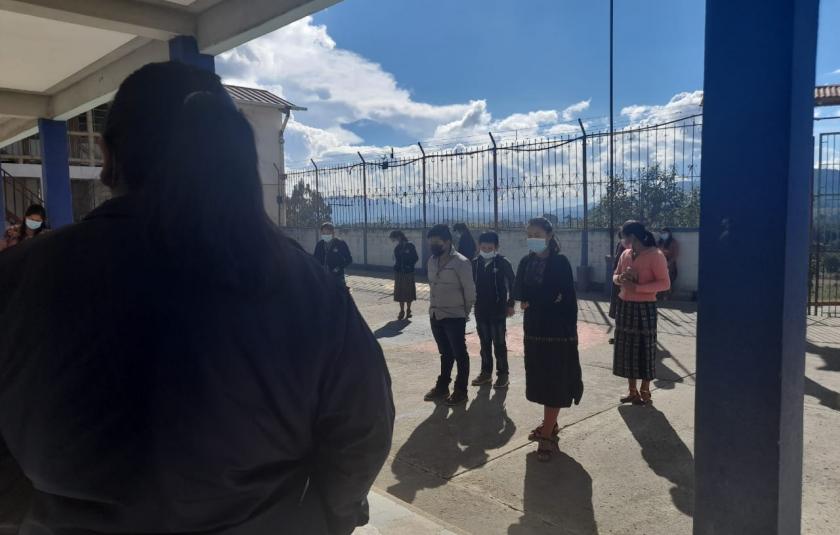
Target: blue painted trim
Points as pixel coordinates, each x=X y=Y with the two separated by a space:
x=184 y=48
x=55 y=172
x=753 y=264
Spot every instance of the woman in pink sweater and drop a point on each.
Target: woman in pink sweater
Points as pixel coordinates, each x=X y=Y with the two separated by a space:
x=641 y=273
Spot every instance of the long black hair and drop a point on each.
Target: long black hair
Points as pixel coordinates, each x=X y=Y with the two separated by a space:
x=34 y=209
x=545 y=224
x=637 y=229
x=398 y=235
x=178 y=143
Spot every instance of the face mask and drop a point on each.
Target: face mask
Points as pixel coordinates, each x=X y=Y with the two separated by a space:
x=487 y=256
x=31 y=224
x=437 y=250
x=664 y=235
x=537 y=245
x=326 y=237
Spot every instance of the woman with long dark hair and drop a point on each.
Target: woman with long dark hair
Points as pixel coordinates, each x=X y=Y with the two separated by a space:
x=641 y=273
x=34 y=223
x=545 y=288
x=173 y=363
x=466 y=242
x=405 y=258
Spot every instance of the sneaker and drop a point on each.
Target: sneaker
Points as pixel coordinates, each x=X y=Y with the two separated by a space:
x=456 y=398
x=501 y=382
x=436 y=394
x=482 y=379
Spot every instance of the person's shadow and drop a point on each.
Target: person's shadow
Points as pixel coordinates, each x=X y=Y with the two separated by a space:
x=392 y=329
x=664 y=451
x=827 y=397
x=830 y=355
x=665 y=376
x=432 y=455
x=557 y=498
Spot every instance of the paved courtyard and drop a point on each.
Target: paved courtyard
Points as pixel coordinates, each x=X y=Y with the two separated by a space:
x=622 y=470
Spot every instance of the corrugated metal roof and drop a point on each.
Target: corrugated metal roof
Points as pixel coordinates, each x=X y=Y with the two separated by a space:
x=827 y=95
x=252 y=95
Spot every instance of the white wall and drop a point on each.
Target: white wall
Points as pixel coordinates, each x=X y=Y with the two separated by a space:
x=513 y=245
x=266 y=122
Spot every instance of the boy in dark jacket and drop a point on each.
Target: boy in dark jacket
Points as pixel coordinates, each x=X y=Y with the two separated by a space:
x=332 y=252
x=494 y=280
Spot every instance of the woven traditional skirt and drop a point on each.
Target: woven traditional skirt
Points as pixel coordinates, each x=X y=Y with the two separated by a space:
x=634 y=354
x=404 y=288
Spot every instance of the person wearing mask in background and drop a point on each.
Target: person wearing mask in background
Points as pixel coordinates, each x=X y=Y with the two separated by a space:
x=670 y=247
x=620 y=247
x=451 y=298
x=34 y=223
x=545 y=287
x=405 y=258
x=198 y=374
x=332 y=252
x=641 y=273
x=494 y=303
x=465 y=240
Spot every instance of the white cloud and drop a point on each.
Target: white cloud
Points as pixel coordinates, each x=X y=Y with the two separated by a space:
x=680 y=105
x=836 y=72
x=573 y=111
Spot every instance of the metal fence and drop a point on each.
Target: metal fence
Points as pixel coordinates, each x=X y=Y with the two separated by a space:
x=825 y=228
x=504 y=183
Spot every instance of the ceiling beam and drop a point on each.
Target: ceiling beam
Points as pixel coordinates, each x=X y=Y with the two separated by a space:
x=17 y=129
x=126 y=16
x=14 y=104
x=101 y=85
x=231 y=23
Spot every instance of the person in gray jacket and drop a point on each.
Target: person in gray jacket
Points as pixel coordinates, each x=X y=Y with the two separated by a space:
x=452 y=296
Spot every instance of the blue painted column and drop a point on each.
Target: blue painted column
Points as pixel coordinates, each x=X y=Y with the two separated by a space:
x=55 y=172
x=184 y=48
x=757 y=156
x=2 y=201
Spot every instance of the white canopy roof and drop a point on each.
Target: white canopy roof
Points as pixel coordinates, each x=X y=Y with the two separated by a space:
x=59 y=58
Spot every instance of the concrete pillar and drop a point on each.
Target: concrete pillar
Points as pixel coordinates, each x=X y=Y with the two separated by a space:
x=184 y=48
x=55 y=172
x=753 y=277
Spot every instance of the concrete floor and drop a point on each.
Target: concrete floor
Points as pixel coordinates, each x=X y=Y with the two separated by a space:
x=622 y=469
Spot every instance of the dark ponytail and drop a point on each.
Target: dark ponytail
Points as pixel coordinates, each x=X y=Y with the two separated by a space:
x=634 y=228
x=196 y=178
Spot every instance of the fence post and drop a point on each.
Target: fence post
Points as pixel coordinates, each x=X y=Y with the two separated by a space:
x=317 y=205
x=423 y=247
x=584 y=239
x=365 y=198
x=495 y=185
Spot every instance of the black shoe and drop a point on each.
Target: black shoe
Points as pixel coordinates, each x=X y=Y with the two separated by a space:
x=501 y=381
x=482 y=379
x=437 y=394
x=456 y=398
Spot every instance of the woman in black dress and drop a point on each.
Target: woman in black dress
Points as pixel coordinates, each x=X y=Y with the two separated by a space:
x=405 y=258
x=546 y=289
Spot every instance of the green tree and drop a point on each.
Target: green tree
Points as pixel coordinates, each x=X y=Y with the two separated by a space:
x=307 y=207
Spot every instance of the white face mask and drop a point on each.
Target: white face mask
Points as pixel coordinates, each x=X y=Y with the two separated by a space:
x=664 y=235
x=537 y=245
x=31 y=224
x=326 y=237
x=487 y=256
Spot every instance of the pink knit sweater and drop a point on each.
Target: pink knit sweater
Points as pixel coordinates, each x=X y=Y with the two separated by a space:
x=651 y=270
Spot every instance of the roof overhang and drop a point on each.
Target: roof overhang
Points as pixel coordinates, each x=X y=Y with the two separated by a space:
x=59 y=58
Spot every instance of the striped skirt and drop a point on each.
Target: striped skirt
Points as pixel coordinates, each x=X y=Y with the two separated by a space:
x=634 y=354
x=404 y=289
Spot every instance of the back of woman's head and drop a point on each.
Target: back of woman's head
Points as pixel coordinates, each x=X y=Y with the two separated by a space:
x=638 y=230
x=178 y=143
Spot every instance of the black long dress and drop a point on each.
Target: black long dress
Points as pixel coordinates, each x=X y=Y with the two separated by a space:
x=552 y=363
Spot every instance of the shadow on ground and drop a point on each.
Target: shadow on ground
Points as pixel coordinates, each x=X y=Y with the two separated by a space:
x=830 y=355
x=391 y=329
x=557 y=498
x=664 y=451
x=827 y=397
x=452 y=439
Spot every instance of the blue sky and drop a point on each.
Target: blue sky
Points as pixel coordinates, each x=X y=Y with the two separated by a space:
x=381 y=73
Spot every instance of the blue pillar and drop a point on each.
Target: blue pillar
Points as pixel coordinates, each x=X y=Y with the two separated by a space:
x=55 y=172
x=2 y=200
x=184 y=48
x=757 y=157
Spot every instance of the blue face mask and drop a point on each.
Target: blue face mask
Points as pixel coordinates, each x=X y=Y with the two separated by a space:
x=537 y=245
x=326 y=237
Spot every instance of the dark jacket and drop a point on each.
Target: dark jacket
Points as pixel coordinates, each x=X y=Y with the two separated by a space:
x=494 y=287
x=552 y=303
x=139 y=399
x=405 y=256
x=466 y=245
x=334 y=256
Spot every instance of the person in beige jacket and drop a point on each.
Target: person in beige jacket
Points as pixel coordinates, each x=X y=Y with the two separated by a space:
x=452 y=296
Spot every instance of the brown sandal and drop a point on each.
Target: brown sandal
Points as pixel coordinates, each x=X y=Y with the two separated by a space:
x=547 y=448
x=644 y=398
x=535 y=434
x=631 y=397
